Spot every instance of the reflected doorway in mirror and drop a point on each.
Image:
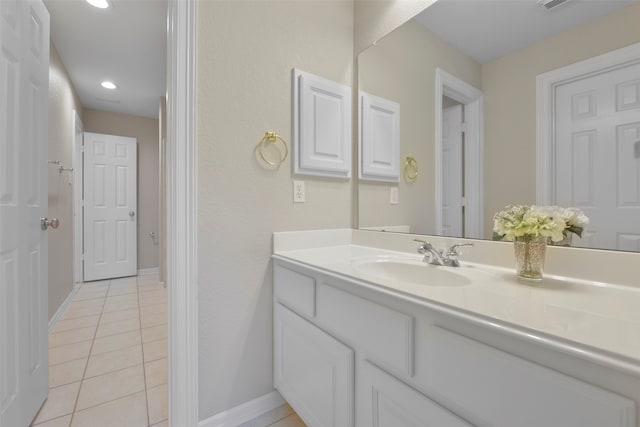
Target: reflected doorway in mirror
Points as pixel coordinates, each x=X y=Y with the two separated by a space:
x=472 y=171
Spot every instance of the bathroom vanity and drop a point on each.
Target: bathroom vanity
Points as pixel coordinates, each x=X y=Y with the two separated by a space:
x=366 y=336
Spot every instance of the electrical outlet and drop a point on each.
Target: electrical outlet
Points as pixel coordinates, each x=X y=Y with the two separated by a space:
x=298 y=192
x=393 y=196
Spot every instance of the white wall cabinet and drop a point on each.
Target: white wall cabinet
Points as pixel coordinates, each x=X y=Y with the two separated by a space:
x=379 y=139
x=321 y=126
x=405 y=364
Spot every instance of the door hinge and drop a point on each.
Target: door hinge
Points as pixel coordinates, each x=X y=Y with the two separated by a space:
x=464 y=201
x=463 y=126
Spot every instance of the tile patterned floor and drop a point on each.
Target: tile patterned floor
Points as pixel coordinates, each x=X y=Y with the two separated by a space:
x=108 y=357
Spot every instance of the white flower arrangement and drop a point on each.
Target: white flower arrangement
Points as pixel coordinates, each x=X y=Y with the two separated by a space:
x=531 y=222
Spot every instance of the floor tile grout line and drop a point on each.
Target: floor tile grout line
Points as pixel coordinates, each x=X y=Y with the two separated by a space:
x=149 y=342
x=108 y=401
x=86 y=366
x=52 y=419
x=114 y=334
x=111 y=372
x=71 y=329
x=70 y=360
x=99 y=322
x=80 y=381
x=69 y=343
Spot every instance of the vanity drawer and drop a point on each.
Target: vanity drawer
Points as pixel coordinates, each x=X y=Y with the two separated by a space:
x=386 y=335
x=295 y=290
x=494 y=388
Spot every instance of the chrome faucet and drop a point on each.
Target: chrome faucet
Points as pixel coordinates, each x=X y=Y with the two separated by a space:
x=439 y=257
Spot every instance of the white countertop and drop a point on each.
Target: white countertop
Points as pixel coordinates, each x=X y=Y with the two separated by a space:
x=604 y=319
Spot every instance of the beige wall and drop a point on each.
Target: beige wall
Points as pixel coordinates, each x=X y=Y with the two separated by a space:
x=402 y=67
x=374 y=19
x=63 y=100
x=246 y=50
x=145 y=130
x=509 y=85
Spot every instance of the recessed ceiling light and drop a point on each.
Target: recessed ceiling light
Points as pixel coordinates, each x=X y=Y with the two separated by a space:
x=101 y=4
x=108 y=85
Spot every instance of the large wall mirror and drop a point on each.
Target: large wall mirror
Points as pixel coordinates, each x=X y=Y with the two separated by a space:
x=467 y=76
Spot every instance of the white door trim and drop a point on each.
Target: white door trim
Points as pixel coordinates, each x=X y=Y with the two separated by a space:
x=545 y=101
x=181 y=211
x=78 y=147
x=473 y=100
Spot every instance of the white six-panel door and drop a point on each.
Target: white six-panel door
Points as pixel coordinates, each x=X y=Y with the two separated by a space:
x=452 y=167
x=110 y=206
x=24 y=84
x=597 y=155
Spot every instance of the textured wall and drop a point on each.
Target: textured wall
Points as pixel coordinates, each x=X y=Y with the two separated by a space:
x=146 y=131
x=246 y=50
x=509 y=85
x=63 y=100
x=402 y=68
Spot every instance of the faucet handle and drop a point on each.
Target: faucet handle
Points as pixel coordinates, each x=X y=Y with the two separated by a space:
x=426 y=246
x=453 y=249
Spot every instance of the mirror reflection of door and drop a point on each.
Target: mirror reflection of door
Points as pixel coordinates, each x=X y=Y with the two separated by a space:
x=597 y=166
x=452 y=168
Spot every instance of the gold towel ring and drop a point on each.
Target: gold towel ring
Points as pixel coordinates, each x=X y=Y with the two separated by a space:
x=410 y=169
x=269 y=138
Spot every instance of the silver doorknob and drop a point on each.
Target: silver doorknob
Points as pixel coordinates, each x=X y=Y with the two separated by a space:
x=131 y=213
x=46 y=223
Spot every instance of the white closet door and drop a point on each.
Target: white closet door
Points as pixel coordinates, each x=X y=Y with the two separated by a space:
x=110 y=206
x=452 y=182
x=24 y=85
x=597 y=155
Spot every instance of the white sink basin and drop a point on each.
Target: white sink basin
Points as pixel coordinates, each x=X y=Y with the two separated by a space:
x=411 y=271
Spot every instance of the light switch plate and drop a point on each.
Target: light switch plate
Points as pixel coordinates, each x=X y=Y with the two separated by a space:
x=298 y=192
x=393 y=196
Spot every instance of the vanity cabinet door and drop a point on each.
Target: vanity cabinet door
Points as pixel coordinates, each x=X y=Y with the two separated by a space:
x=495 y=388
x=313 y=371
x=385 y=401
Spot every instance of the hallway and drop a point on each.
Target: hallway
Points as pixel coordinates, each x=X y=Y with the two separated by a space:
x=108 y=357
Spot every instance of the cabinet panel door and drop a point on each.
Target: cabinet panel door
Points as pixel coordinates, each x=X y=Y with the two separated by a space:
x=495 y=388
x=385 y=401
x=313 y=371
x=385 y=334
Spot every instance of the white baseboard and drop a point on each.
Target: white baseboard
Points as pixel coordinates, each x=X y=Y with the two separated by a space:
x=148 y=271
x=63 y=307
x=245 y=412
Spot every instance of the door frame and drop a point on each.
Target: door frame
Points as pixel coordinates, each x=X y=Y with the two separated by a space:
x=78 y=212
x=546 y=84
x=180 y=210
x=181 y=213
x=473 y=100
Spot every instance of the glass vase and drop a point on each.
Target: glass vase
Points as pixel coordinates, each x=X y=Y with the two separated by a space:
x=530 y=253
x=566 y=241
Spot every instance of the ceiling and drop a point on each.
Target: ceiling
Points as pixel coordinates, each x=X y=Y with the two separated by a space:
x=125 y=43
x=489 y=29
